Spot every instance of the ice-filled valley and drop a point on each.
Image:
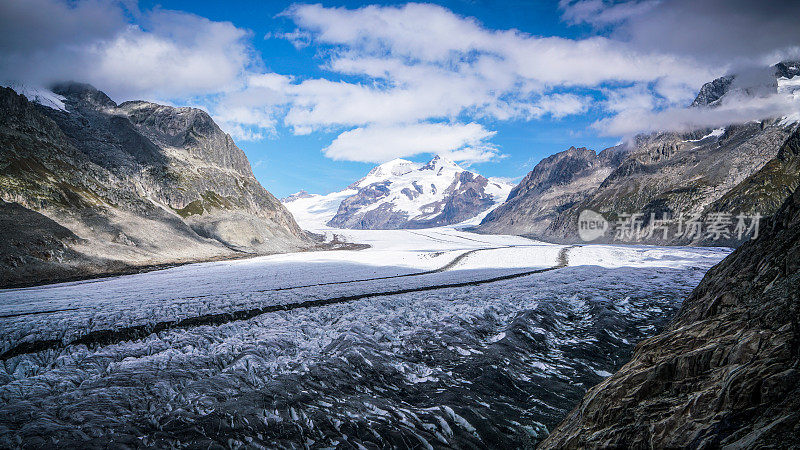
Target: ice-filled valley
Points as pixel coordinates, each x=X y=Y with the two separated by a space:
x=358 y=349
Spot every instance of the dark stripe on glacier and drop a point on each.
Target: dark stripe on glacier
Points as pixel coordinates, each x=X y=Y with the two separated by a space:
x=101 y=338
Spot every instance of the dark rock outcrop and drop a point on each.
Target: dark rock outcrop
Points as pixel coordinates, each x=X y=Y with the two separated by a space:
x=40 y=246
x=713 y=91
x=787 y=69
x=725 y=373
x=137 y=185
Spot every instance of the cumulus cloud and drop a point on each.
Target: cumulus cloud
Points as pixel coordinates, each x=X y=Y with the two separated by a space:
x=633 y=98
x=423 y=65
x=730 y=32
x=428 y=34
x=380 y=143
x=172 y=55
x=254 y=113
x=160 y=54
x=409 y=79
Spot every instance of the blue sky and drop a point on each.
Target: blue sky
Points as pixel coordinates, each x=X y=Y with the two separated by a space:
x=317 y=94
x=285 y=163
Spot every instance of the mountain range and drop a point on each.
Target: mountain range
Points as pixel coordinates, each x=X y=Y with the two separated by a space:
x=403 y=194
x=747 y=168
x=88 y=186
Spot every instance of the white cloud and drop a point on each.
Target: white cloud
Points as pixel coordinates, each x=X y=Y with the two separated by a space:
x=561 y=105
x=402 y=80
x=602 y=13
x=736 y=109
x=423 y=65
x=634 y=98
x=163 y=54
x=253 y=113
x=429 y=34
x=377 y=143
x=177 y=55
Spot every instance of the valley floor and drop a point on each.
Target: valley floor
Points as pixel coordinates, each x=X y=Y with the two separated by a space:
x=433 y=337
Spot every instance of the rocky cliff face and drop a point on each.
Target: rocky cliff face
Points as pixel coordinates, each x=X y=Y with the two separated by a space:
x=726 y=372
x=713 y=91
x=404 y=194
x=557 y=183
x=135 y=184
x=765 y=189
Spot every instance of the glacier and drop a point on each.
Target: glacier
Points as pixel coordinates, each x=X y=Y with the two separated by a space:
x=481 y=365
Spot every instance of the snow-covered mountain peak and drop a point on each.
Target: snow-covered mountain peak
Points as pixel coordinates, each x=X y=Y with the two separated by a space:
x=406 y=194
x=782 y=78
x=441 y=164
x=437 y=172
x=297 y=196
x=394 y=168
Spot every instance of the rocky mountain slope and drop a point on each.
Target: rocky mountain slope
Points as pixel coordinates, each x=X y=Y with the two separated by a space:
x=670 y=174
x=555 y=184
x=725 y=373
x=677 y=174
x=404 y=194
x=115 y=187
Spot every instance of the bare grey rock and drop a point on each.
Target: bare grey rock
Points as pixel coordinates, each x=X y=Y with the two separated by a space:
x=713 y=91
x=725 y=373
x=675 y=175
x=740 y=169
x=554 y=185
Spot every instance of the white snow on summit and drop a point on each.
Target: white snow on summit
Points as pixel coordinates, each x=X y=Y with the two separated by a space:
x=414 y=189
x=791 y=88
